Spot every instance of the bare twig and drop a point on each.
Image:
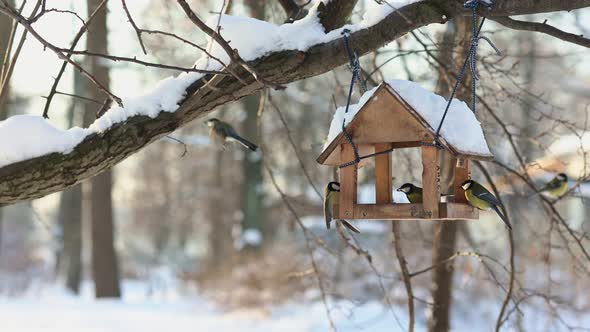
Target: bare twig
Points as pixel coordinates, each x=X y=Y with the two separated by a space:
x=141 y=62
x=405 y=273
x=137 y=30
x=542 y=28
x=294 y=146
x=11 y=12
x=62 y=69
x=8 y=73
x=232 y=53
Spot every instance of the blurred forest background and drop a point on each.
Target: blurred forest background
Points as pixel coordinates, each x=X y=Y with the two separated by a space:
x=247 y=229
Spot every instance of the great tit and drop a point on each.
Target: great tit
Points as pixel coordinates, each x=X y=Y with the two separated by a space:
x=481 y=198
x=331 y=197
x=414 y=193
x=556 y=187
x=222 y=132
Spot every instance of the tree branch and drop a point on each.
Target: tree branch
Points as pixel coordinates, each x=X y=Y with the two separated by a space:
x=335 y=13
x=54 y=172
x=542 y=28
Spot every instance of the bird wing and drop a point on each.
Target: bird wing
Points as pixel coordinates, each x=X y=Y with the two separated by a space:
x=482 y=193
x=551 y=185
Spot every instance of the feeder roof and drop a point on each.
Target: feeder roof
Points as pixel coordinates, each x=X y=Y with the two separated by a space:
x=460 y=134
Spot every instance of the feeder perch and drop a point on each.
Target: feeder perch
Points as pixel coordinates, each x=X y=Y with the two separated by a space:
x=388 y=121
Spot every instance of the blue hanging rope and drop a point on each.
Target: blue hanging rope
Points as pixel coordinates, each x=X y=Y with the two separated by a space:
x=471 y=59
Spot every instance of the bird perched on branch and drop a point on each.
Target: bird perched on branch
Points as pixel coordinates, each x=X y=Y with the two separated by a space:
x=222 y=132
x=479 y=197
x=556 y=187
x=331 y=197
x=414 y=193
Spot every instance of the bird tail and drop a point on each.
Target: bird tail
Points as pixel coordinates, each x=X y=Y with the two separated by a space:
x=350 y=226
x=245 y=142
x=504 y=219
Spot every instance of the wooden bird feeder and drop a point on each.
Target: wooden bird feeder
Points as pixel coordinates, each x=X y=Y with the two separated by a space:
x=386 y=121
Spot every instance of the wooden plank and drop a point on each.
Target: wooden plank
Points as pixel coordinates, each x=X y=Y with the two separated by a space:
x=430 y=181
x=458 y=211
x=462 y=174
x=448 y=211
x=348 y=179
x=383 y=182
x=385 y=119
x=389 y=211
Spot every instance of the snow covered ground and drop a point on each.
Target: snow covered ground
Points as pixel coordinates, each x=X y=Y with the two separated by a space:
x=145 y=310
x=55 y=310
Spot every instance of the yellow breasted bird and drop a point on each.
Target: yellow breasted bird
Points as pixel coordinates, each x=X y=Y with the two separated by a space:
x=221 y=133
x=414 y=193
x=331 y=198
x=479 y=197
x=556 y=187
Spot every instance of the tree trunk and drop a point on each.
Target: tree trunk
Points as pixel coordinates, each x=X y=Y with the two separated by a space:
x=104 y=259
x=220 y=237
x=70 y=216
x=445 y=233
x=5 y=28
x=252 y=195
x=253 y=220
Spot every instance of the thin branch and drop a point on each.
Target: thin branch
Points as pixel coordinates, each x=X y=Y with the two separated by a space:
x=6 y=75
x=307 y=242
x=403 y=264
x=140 y=62
x=542 y=28
x=78 y=97
x=137 y=30
x=77 y=38
x=232 y=53
x=9 y=11
x=294 y=146
x=499 y=320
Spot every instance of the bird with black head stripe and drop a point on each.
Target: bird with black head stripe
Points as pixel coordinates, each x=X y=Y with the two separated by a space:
x=331 y=198
x=556 y=187
x=479 y=197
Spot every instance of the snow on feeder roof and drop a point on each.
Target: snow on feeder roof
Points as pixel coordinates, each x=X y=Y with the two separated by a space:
x=407 y=115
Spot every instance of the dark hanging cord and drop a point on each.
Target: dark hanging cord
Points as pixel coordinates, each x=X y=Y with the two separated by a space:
x=471 y=59
x=355 y=68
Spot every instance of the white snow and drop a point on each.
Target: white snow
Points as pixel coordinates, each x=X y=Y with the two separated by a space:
x=25 y=137
x=182 y=310
x=252 y=237
x=460 y=129
x=570 y=144
x=254 y=38
x=366 y=195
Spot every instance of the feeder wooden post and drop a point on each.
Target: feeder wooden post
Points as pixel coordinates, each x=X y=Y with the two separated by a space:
x=383 y=185
x=430 y=181
x=461 y=175
x=348 y=178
